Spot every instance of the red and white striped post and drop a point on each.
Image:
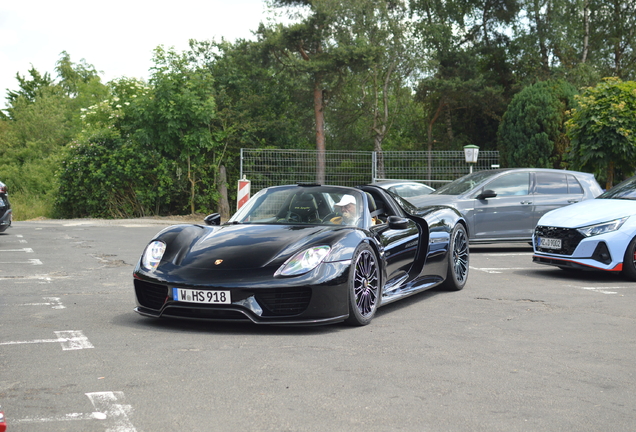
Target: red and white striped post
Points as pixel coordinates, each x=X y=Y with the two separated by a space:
x=243 y=192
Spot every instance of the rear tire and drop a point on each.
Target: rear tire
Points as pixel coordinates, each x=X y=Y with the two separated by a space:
x=364 y=286
x=629 y=261
x=458 y=259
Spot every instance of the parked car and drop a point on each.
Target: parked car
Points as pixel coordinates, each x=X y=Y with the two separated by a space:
x=598 y=234
x=302 y=254
x=405 y=188
x=5 y=208
x=504 y=205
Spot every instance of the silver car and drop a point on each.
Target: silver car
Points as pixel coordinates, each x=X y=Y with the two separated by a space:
x=504 y=205
x=405 y=188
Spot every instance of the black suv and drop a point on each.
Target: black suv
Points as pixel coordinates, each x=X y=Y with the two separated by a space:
x=5 y=208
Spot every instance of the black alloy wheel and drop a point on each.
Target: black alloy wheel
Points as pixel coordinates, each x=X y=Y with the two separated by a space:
x=364 y=286
x=458 y=259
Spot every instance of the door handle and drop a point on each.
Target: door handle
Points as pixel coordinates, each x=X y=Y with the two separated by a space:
x=572 y=201
x=526 y=202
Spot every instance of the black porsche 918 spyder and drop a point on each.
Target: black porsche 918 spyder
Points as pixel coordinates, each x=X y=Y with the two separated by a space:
x=305 y=255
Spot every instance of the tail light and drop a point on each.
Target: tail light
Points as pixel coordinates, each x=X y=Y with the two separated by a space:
x=3 y=424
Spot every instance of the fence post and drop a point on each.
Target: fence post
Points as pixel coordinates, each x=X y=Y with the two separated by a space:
x=241 y=165
x=374 y=166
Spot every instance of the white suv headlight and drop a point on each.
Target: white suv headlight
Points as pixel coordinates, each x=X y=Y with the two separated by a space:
x=602 y=228
x=304 y=261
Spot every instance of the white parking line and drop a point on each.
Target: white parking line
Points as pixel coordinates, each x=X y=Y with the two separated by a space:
x=12 y=239
x=70 y=340
x=496 y=254
x=29 y=261
x=117 y=413
x=603 y=290
x=61 y=418
x=25 y=250
x=45 y=278
x=113 y=414
x=54 y=302
x=499 y=269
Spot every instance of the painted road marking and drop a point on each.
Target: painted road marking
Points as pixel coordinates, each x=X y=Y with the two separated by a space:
x=61 y=418
x=25 y=250
x=500 y=269
x=500 y=254
x=19 y=238
x=70 y=340
x=30 y=261
x=54 y=302
x=116 y=412
x=45 y=278
x=603 y=290
x=109 y=408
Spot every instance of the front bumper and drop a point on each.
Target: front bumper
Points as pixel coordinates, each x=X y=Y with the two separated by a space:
x=603 y=252
x=319 y=297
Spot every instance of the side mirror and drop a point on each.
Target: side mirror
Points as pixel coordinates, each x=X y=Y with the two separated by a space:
x=488 y=193
x=398 y=223
x=213 y=219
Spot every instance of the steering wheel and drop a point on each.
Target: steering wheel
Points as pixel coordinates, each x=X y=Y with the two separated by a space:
x=290 y=217
x=329 y=217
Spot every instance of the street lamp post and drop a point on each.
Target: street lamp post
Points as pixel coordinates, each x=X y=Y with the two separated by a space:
x=471 y=152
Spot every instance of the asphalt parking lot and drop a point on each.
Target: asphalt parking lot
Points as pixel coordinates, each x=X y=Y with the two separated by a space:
x=523 y=347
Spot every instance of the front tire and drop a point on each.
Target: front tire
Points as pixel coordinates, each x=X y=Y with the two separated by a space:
x=629 y=261
x=458 y=259
x=364 y=286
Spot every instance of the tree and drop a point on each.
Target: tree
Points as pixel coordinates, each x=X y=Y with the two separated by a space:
x=602 y=130
x=469 y=79
x=178 y=120
x=532 y=131
x=30 y=89
x=258 y=104
x=43 y=117
x=106 y=172
x=613 y=26
x=319 y=48
x=379 y=91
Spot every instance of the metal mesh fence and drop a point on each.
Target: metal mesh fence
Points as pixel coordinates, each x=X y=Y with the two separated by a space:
x=351 y=168
x=433 y=168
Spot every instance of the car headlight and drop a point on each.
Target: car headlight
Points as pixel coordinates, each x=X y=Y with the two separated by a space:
x=153 y=254
x=602 y=228
x=304 y=261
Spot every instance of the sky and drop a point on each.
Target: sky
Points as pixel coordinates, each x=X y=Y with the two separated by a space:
x=117 y=37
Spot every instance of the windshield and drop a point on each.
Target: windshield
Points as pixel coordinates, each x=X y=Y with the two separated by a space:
x=624 y=190
x=464 y=184
x=314 y=205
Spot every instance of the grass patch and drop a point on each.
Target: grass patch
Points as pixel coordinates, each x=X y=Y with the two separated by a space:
x=29 y=206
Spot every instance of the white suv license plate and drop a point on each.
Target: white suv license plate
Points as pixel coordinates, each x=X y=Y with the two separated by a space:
x=201 y=296
x=549 y=243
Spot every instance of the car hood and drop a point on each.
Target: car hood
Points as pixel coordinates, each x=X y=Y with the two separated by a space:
x=588 y=212
x=433 y=199
x=240 y=247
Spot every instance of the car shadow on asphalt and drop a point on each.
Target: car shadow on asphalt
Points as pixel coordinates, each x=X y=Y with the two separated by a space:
x=575 y=275
x=410 y=301
x=172 y=325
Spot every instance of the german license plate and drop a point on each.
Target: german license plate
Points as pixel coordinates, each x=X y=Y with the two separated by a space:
x=549 y=243
x=201 y=296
